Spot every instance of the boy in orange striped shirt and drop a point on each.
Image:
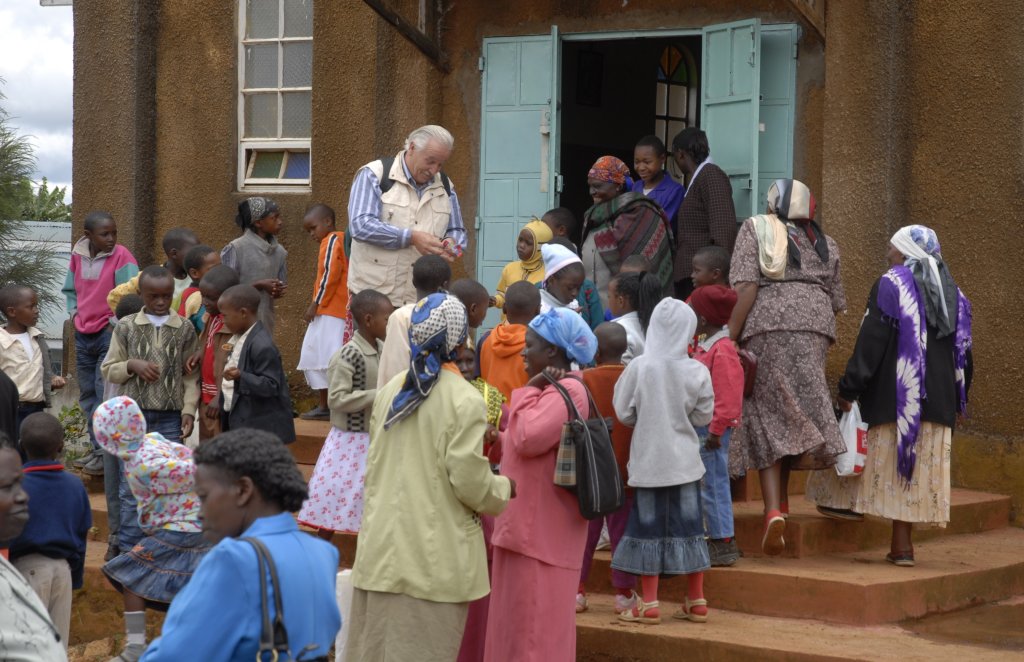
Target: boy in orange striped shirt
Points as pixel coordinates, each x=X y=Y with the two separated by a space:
x=326 y=313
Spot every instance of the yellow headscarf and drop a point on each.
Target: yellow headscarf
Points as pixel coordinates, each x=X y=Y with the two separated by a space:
x=541 y=235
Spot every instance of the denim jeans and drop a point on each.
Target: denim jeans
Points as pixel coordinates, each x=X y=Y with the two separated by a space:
x=112 y=471
x=714 y=489
x=90 y=350
x=167 y=424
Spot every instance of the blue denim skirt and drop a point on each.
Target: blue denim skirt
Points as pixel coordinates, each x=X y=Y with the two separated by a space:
x=665 y=533
x=158 y=566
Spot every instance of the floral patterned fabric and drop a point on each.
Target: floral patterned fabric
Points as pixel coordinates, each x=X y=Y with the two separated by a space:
x=336 y=489
x=160 y=473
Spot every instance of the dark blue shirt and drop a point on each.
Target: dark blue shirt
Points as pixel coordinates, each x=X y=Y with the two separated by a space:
x=668 y=194
x=59 y=516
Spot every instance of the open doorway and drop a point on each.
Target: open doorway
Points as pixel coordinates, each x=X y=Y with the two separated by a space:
x=615 y=92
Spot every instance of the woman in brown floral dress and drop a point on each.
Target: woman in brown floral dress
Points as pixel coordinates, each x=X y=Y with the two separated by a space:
x=786 y=273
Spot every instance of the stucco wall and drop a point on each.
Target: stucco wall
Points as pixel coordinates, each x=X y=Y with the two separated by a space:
x=912 y=113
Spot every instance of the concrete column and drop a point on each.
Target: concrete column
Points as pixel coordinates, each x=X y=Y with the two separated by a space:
x=866 y=145
x=114 y=116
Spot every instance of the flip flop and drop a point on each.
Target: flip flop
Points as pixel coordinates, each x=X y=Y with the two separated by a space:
x=773 y=543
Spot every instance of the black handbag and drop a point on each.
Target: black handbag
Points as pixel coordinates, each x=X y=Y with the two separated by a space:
x=274 y=635
x=586 y=458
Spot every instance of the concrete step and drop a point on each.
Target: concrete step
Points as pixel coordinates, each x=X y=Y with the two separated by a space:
x=309 y=439
x=809 y=533
x=860 y=588
x=731 y=635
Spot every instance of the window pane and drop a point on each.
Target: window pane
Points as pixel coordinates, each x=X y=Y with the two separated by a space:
x=267 y=165
x=261 y=65
x=298 y=64
x=261 y=115
x=261 y=17
x=298 y=18
x=298 y=166
x=674 y=128
x=661 y=103
x=677 y=101
x=296 y=118
x=659 y=130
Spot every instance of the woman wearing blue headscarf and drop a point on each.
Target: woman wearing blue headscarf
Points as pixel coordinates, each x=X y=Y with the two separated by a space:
x=538 y=542
x=421 y=557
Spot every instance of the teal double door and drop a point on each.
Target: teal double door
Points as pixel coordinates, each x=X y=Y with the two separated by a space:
x=747 y=92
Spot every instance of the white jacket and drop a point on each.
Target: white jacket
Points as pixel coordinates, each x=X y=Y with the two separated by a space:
x=664 y=394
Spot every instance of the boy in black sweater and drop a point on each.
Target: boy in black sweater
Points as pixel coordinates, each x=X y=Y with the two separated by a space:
x=50 y=552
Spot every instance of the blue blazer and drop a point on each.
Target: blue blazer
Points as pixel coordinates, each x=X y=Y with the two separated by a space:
x=217 y=616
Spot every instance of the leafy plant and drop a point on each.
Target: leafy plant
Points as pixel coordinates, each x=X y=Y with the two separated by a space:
x=76 y=429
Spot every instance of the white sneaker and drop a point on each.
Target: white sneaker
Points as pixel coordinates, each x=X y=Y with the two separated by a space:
x=622 y=603
x=604 y=542
x=581 y=603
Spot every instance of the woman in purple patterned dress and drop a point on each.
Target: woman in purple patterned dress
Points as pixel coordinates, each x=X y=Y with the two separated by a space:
x=910 y=371
x=786 y=274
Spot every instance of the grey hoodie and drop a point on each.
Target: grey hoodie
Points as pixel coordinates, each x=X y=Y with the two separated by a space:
x=664 y=394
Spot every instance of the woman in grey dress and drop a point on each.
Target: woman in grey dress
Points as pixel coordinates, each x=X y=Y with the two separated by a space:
x=786 y=274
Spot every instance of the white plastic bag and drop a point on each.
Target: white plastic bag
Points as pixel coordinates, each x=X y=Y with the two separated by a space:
x=343 y=592
x=855 y=434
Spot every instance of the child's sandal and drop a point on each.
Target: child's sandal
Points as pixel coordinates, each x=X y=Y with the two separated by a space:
x=638 y=614
x=686 y=613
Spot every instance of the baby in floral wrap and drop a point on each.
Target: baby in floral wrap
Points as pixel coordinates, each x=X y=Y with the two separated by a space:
x=161 y=476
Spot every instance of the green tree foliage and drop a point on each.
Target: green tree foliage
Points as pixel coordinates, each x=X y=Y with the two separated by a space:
x=42 y=204
x=21 y=262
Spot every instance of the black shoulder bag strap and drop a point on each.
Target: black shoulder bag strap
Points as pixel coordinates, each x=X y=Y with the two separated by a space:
x=274 y=636
x=386 y=182
x=570 y=404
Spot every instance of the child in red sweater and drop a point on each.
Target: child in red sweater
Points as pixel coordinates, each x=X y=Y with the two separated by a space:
x=713 y=305
x=611 y=345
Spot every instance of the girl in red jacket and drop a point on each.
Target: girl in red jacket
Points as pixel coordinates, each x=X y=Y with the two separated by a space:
x=713 y=305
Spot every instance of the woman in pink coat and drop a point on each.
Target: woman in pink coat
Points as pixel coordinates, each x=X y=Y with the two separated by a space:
x=538 y=541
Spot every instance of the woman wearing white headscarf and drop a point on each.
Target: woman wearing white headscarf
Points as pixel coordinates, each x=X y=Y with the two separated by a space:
x=910 y=371
x=786 y=274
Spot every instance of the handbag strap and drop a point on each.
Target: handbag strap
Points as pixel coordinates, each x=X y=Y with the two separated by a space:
x=569 y=403
x=274 y=636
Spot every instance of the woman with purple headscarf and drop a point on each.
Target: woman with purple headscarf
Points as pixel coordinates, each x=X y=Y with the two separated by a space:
x=910 y=371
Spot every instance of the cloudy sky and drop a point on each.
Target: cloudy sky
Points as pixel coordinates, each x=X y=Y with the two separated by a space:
x=36 y=65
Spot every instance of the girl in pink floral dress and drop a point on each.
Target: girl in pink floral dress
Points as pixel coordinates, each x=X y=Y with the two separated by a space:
x=335 y=500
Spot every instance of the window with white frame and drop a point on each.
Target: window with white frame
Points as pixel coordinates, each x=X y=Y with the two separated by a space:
x=275 y=77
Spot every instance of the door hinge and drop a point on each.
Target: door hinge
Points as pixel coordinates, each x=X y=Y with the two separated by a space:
x=480 y=64
x=559 y=183
x=796 y=51
x=476 y=223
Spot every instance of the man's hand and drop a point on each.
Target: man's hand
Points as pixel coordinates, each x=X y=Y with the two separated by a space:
x=279 y=289
x=57 y=383
x=212 y=410
x=232 y=374
x=310 y=313
x=428 y=244
x=188 y=421
x=844 y=405
x=147 y=370
x=193 y=360
x=713 y=443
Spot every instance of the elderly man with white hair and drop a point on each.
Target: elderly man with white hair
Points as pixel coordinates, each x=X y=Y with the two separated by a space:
x=402 y=207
